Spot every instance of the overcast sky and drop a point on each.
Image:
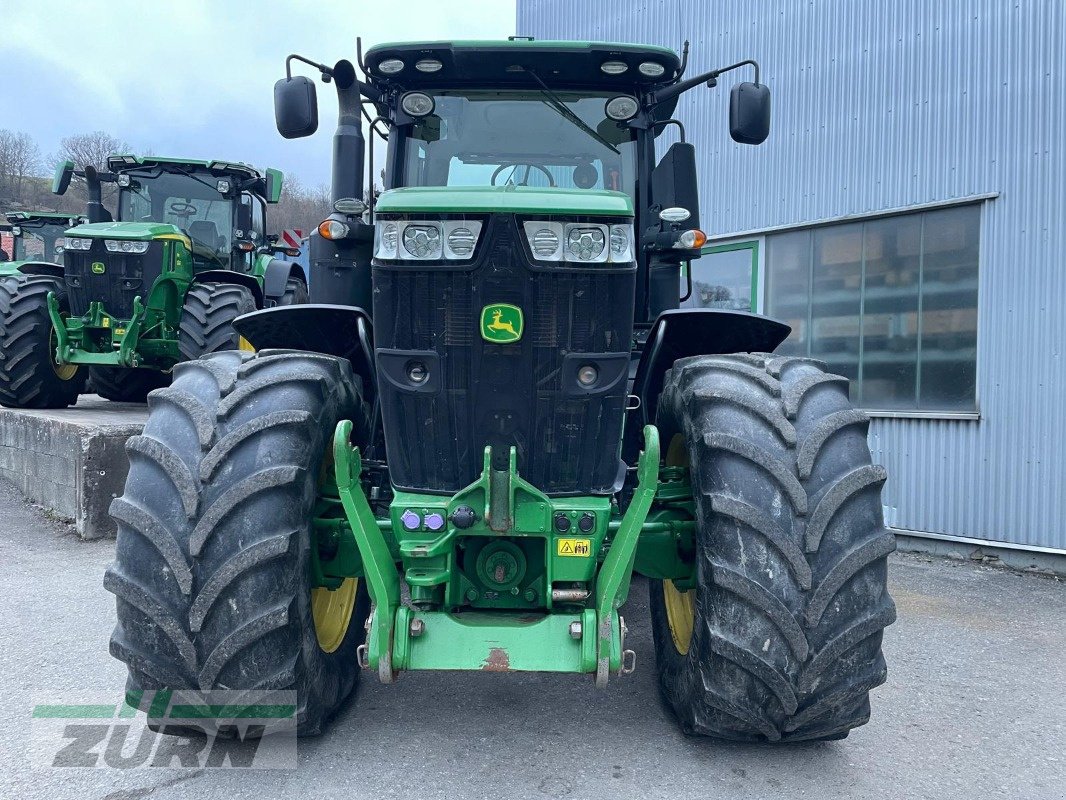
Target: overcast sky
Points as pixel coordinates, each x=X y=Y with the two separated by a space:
x=195 y=78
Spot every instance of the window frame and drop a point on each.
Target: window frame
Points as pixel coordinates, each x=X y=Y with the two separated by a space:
x=980 y=200
x=755 y=245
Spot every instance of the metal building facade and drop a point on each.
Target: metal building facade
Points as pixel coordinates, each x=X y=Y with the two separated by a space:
x=879 y=107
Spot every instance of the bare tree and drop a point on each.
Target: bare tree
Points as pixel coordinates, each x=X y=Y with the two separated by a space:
x=91 y=148
x=20 y=158
x=86 y=149
x=301 y=208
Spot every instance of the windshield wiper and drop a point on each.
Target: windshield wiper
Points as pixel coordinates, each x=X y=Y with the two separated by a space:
x=555 y=102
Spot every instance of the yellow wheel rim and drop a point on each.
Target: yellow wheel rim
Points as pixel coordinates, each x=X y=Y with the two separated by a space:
x=332 y=612
x=64 y=372
x=680 y=606
x=680 y=615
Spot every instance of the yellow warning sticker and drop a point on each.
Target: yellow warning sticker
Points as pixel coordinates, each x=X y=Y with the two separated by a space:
x=582 y=548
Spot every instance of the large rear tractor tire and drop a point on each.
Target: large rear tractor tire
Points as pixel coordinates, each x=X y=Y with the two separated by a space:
x=212 y=562
x=779 y=638
x=123 y=385
x=207 y=318
x=29 y=374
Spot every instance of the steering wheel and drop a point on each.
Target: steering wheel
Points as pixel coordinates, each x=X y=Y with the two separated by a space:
x=180 y=209
x=525 y=180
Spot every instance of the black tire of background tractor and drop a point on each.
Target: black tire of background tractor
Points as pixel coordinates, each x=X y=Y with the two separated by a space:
x=791 y=552
x=211 y=570
x=28 y=376
x=123 y=385
x=207 y=318
x=295 y=293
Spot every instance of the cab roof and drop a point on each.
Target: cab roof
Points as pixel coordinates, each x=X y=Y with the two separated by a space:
x=506 y=63
x=120 y=162
x=30 y=217
x=268 y=183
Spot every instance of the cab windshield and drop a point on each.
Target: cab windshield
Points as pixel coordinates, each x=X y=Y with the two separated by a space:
x=522 y=138
x=189 y=201
x=39 y=243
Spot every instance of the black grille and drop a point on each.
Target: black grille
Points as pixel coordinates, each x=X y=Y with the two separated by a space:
x=125 y=276
x=501 y=395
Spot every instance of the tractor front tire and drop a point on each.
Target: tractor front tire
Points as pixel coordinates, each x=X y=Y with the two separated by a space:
x=29 y=374
x=125 y=385
x=779 y=636
x=212 y=562
x=295 y=293
x=207 y=318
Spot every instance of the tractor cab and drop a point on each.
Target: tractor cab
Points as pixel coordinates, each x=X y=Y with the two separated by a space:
x=219 y=206
x=216 y=207
x=38 y=236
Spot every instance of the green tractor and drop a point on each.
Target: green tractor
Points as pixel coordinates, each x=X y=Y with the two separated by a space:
x=158 y=283
x=25 y=327
x=493 y=413
x=39 y=238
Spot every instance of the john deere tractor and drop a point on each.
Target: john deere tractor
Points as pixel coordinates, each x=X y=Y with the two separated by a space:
x=26 y=278
x=162 y=280
x=494 y=412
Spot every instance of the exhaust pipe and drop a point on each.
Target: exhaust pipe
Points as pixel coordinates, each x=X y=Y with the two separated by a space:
x=94 y=208
x=349 y=146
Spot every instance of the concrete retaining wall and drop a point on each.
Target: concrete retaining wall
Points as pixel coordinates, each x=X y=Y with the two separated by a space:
x=71 y=461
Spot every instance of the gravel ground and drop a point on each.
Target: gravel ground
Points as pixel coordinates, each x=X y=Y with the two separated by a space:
x=974 y=707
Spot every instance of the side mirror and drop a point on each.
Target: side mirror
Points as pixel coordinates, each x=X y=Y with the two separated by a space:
x=295 y=107
x=274 y=179
x=749 y=113
x=61 y=181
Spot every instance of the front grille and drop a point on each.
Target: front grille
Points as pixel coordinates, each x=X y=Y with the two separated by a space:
x=125 y=276
x=502 y=395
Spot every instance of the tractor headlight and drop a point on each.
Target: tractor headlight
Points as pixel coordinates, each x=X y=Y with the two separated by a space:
x=124 y=246
x=74 y=243
x=621 y=108
x=585 y=243
x=427 y=240
x=386 y=237
x=461 y=241
x=580 y=242
x=621 y=243
x=422 y=241
x=123 y=180
x=545 y=244
x=390 y=66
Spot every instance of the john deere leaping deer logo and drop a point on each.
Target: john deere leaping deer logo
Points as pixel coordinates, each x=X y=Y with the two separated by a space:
x=501 y=323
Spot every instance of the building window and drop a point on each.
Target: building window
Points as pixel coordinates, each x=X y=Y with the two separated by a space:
x=725 y=276
x=891 y=303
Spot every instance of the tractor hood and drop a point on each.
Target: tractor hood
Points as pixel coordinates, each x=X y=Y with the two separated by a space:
x=503 y=199
x=136 y=231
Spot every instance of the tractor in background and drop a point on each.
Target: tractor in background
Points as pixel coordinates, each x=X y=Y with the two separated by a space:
x=38 y=239
x=158 y=282
x=494 y=412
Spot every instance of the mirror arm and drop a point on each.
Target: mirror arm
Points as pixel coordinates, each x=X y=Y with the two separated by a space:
x=327 y=72
x=710 y=78
x=662 y=125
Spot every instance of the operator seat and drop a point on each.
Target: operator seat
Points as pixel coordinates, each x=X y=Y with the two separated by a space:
x=205 y=233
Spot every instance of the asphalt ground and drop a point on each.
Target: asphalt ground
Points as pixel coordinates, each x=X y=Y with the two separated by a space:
x=974 y=706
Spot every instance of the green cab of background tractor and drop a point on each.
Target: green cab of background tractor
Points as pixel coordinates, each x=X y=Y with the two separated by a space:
x=158 y=279
x=494 y=412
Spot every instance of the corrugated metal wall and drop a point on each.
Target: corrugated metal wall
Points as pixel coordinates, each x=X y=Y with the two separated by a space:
x=884 y=105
